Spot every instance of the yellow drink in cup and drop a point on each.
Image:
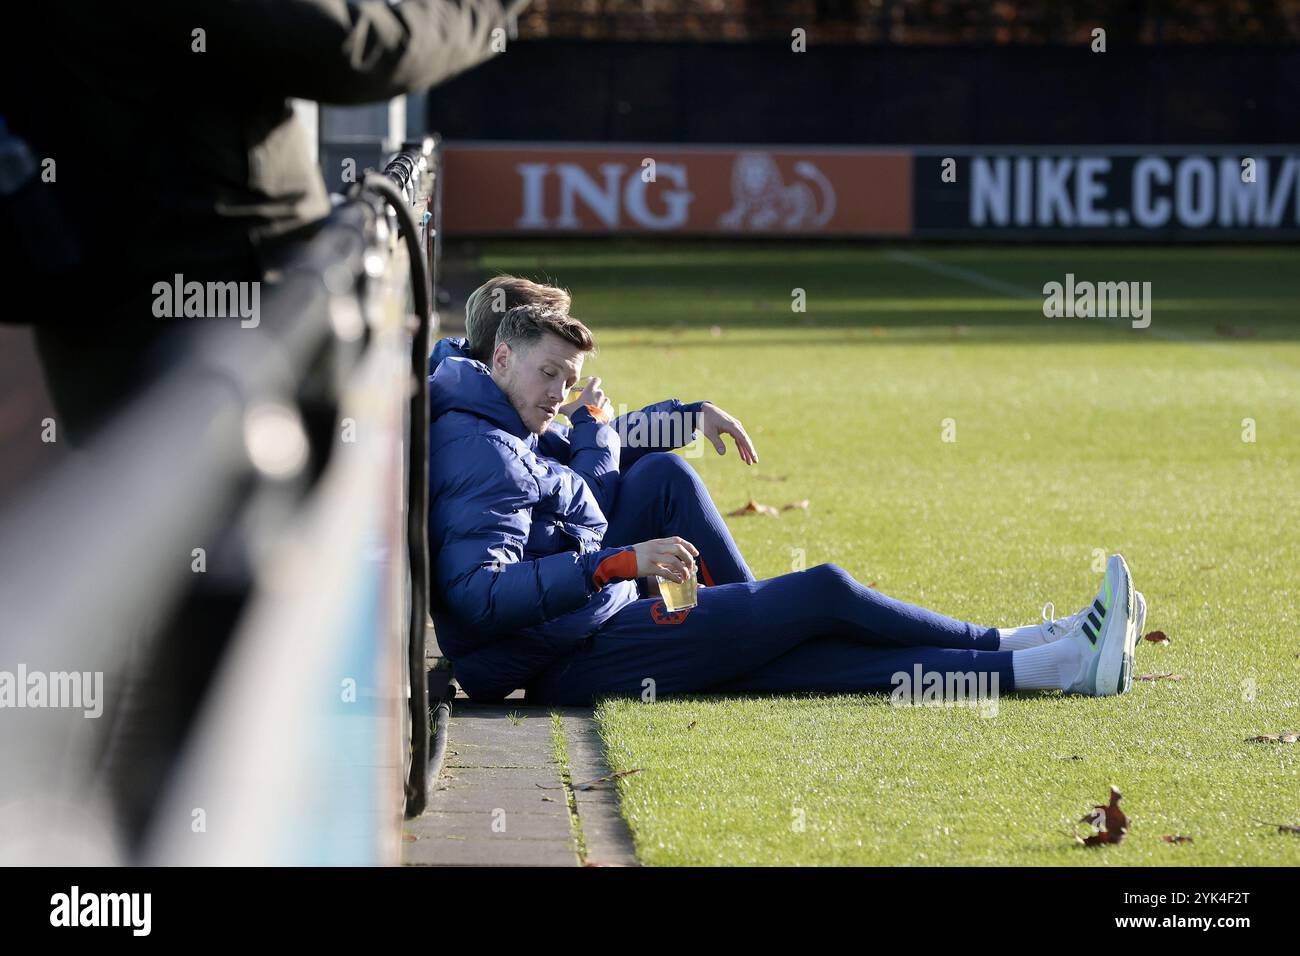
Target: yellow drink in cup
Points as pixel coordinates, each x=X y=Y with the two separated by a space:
x=679 y=596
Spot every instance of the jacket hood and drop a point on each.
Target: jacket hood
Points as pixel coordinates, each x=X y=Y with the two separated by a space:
x=464 y=385
x=448 y=348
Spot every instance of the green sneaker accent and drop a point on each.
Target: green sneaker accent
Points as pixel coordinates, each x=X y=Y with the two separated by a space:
x=1106 y=582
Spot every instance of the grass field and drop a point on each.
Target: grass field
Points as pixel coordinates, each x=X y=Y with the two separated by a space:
x=1074 y=437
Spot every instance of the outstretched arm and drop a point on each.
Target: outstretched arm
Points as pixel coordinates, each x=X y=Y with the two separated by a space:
x=334 y=51
x=663 y=426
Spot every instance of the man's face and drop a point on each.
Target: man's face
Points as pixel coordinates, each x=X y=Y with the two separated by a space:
x=537 y=379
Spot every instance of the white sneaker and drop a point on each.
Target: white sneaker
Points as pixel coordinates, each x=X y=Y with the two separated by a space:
x=1106 y=633
x=1140 y=618
x=1054 y=628
x=1139 y=624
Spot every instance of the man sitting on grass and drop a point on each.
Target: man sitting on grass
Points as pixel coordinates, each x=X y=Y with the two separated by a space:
x=534 y=584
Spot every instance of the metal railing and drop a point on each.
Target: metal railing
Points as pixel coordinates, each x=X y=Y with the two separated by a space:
x=241 y=555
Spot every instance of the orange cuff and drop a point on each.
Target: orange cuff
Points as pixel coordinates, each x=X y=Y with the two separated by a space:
x=621 y=566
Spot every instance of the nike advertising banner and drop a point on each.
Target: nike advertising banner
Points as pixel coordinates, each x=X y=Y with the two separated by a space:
x=1127 y=194
x=1082 y=193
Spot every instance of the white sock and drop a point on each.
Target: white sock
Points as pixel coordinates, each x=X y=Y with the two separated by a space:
x=1053 y=666
x=1020 y=638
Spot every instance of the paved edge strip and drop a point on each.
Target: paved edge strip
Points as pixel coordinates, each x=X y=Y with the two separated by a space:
x=605 y=833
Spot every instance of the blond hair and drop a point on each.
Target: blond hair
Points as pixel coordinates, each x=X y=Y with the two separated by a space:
x=524 y=326
x=491 y=302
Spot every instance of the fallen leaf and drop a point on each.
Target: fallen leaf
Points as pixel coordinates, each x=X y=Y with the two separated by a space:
x=691 y=725
x=599 y=782
x=548 y=799
x=872 y=584
x=752 y=507
x=1176 y=838
x=1281 y=827
x=1234 y=331
x=801 y=504
x=1207 y=567
x=1167 y=675
x=1287 y=737
x=1108 y=819
x=1157 y=637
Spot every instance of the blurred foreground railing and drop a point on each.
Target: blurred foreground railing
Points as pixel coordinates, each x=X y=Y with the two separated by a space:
x=240 y=556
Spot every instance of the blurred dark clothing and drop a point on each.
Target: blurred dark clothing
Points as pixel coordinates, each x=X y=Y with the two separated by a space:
x=177 y=151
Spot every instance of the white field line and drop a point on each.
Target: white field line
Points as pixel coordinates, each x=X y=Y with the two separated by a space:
x=966 y=275
x=1020 y=292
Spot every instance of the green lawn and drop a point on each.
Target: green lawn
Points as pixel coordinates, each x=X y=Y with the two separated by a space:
x=1074 y=437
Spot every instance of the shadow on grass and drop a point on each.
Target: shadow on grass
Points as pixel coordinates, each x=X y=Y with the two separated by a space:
x=1234 y=294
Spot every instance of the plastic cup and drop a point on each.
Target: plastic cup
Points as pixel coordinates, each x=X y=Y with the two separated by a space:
x=678 y=596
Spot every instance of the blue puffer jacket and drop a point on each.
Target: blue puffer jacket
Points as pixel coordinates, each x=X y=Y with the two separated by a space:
x=519 y=574
x=640 y=432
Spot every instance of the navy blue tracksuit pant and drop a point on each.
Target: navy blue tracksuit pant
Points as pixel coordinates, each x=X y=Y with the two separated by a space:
x=813 y=630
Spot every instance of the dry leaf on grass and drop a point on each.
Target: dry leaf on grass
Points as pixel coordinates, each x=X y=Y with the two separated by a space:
x=1176 y=838
x=1281 y=827
x=1167 y=675
x=1109 y=821
x=1157 y=637
x=600 y=782
x=752 y=507
x=1286 y=737
x=801 y=505
x=1234 y=331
